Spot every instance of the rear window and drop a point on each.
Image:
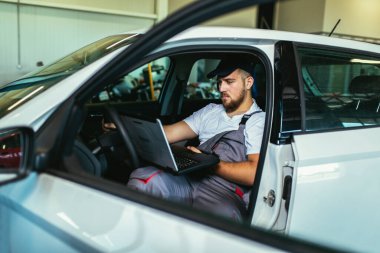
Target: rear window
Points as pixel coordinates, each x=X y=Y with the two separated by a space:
x=341 y=89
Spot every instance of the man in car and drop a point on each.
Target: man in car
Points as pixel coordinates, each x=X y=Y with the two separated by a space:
x=225 y=189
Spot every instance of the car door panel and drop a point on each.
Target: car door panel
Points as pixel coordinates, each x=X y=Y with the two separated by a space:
x=277 y=167
x=334 y=174
x=62 y=216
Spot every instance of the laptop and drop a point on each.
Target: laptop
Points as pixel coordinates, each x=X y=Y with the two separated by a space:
x=151 y=145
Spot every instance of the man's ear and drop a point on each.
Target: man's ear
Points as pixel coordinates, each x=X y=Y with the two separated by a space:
x=249 y=82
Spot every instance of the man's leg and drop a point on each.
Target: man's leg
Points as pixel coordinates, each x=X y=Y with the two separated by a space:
x=161 y=184
x=220 y=197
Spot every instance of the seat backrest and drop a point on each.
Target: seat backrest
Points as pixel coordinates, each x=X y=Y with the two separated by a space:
x=365 y=85
x=82 y=159
x=365 y=91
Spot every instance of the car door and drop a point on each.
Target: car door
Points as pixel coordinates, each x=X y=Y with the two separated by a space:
x=336 y=150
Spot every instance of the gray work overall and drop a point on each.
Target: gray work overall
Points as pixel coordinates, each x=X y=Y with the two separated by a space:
x=209 y=192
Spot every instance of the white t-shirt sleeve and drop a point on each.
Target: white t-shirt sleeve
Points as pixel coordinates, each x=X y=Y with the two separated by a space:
x=196 y=120
x=254 y=129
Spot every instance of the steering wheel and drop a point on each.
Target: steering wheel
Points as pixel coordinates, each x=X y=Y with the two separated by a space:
x=131 y=151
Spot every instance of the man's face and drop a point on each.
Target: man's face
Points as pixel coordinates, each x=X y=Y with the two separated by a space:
x=232 y=89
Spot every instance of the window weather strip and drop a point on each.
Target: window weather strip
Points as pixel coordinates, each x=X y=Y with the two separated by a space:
x=301 y=89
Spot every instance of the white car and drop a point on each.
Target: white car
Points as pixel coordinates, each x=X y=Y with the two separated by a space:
x=63 y=175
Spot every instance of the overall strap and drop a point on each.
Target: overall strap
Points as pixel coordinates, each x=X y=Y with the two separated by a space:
x=209 y=145
x=247 y=116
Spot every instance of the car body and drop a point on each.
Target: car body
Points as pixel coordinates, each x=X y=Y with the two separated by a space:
x=317 y=176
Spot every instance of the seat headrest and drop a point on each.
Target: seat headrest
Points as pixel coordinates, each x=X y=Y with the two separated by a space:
x=365 y=84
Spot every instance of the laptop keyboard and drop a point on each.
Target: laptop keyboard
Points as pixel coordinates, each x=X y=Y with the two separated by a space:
x=184 y=162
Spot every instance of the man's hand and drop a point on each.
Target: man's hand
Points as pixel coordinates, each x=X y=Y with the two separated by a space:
x=238 y=172
x=107 y=126
x=194 y=149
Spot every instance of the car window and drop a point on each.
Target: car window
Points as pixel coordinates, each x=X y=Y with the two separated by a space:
x=18 y=92
x=199 y=86
x=142 y=84
x=341 y=89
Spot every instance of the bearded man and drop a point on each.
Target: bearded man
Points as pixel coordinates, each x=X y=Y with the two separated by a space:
x=225 y=189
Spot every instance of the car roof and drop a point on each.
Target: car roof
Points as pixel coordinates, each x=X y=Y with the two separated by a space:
x=208 y=32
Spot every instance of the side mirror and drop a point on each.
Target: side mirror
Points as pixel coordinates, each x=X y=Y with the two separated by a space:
x=16 y=153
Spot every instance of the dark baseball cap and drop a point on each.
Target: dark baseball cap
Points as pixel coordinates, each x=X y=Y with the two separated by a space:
x=228 y=65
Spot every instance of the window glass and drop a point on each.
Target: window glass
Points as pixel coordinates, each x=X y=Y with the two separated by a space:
x=287 y=84
x=199 y=86
x=18 y=92
x=341 y=89
x=142 y=84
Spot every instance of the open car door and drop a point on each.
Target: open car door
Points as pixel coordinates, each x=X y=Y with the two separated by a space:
x=337 y=153
x=334 y=173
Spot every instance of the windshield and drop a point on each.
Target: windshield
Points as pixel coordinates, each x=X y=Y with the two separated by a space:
x=16 y=93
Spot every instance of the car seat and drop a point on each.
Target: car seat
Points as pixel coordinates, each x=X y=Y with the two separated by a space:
x=83 y=160
x=365 y=92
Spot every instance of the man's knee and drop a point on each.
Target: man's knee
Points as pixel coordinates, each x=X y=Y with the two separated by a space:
x=147 y=180
x=160 y=184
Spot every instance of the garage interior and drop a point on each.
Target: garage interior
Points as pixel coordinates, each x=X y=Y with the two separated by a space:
x=37 y=32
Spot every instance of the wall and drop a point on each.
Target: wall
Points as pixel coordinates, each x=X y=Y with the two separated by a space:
x=8 y=42
x=243 y=18
x=299 y=15
x=359 y=18
x=111 y=6
x=177 y=4
x=49 y=30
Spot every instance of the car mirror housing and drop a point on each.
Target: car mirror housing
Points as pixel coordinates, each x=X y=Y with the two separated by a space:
x=16 y=153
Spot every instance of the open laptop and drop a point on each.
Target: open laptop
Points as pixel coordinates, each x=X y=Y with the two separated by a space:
x=149 y=139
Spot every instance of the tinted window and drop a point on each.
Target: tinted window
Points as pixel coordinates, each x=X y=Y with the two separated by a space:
x=287 y=85
x=341 y=89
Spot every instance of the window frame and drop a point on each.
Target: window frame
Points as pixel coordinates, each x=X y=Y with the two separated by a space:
x=285 y=136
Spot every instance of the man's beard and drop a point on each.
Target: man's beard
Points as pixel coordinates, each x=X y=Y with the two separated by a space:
x=234 y=104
